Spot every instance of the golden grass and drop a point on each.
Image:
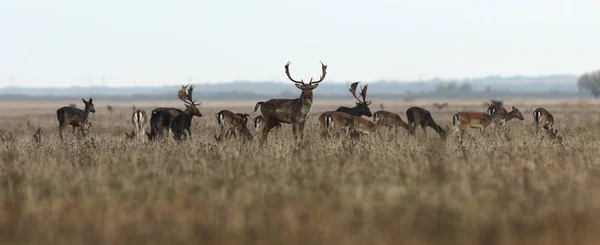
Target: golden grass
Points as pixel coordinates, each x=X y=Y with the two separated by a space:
x=505 y=188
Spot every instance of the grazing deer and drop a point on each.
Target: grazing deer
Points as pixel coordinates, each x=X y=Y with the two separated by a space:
x=420 y=116
x=464 y=120
x=292 y=111
x=553 y=135
x=75 y=117
x=259 y=125
x=337 y=122
x=440 y=106
x=389 y=119
x=360 y=126
x=130 y=136
x=543 y=117
x=180 y=120
x=361 y=108
x=231 y=123
x=160 y=121
x=139 y=121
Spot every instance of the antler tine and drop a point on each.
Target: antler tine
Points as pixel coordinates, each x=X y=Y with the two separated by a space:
x=182 y=94
x=323 y=73
x=363 y=93
x=189 y=95
x=353 y=89
x=287 y=72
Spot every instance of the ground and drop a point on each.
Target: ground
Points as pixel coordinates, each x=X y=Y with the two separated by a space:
x=507 y=187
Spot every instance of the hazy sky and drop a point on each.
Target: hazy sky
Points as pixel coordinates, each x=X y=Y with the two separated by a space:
x=135 y=42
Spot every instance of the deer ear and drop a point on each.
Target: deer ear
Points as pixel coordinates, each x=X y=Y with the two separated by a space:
x=298 y=85
x=313 y=86
x=83 y=100
x=90 y=100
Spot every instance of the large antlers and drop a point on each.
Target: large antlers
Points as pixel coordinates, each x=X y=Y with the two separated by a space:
x=363 y=92
x=323 y=74
x=186 y=97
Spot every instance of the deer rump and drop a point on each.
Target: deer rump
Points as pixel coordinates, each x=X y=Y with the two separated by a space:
x=162 y=119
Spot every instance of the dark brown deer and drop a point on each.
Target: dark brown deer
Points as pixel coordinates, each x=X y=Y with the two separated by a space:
x=420 y=116
x=361 y=108
x=232 y=123
x=389 y=119
x=543 y=117
x=259 y=125
x=160 y=121
x=180 y=120
x=75 y=117
x=504 y=116
x=291 y=111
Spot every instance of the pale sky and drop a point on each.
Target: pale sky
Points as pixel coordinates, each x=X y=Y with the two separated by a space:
x=135 y=42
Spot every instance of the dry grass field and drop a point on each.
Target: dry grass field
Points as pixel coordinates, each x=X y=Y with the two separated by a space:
x=508 y=187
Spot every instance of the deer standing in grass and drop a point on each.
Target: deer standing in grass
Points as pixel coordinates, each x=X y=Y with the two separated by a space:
x=361 y=108
x=420 y=116
x=543 y=117
x=464 y=120
x=139 y=121
x=259 y=125
x=75 y=117
x=179 y=120
x=291 y=111
x=389 y=119
x=231 y=124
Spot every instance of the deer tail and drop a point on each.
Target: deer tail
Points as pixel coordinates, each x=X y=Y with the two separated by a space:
x=455 y=119
x=60 y=115
x=220 y=118
x=257 y=105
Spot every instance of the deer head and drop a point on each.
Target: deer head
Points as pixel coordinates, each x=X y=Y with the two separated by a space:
x=130 y=136
x=311 y=84
x=362 y=105
x=517 y=114
x=190 y=104
x=89 y=105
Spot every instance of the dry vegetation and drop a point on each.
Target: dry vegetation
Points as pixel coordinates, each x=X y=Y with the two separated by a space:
x=507 y=188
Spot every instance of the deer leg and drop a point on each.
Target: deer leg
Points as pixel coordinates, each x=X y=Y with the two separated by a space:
x=295 y=130
x=424 y=130
x=301 y=129
x=265 y=132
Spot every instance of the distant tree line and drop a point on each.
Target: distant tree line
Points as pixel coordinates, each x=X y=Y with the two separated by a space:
x=590 y=82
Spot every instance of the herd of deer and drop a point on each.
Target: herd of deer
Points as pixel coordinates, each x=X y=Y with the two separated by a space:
x=343 y=121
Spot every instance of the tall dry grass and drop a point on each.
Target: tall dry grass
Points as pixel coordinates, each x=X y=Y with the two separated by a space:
x=505 y=188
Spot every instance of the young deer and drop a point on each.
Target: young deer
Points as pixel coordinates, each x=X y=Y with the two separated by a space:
x=464 y=120
x=337 y=122
x=232 y=123
x=503 y=115
x=139 y=121
x=389 y=119
x=259 y=125
x=180 y=120
x=291 y=111
x=420 y=116
x=75 y=117
x=543 y=117
x=361 y=108
x=361 y=126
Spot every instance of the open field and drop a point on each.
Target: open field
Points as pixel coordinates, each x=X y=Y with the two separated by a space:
x=508 y=187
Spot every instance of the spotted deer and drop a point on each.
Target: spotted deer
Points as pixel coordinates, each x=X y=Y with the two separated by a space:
x=290 y=111
x=259 y=125
x=543 y=117
x=75 y=117
x=389 y=119
x=467 y=119
x=420 y=116
x=337 y=122
x=179 y=120
x=232 y=123
x=361 y=108
x=139 y=121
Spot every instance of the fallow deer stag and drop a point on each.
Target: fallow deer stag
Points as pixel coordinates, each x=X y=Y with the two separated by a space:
x=464 y=120
x=291 y=111
x=179 y=120
x=232 y=123
x=543 y=117
x=75 y=117
x=389 y=119
x=139 y=121
x=361 y=108
x=420 y=116
x=259 y=125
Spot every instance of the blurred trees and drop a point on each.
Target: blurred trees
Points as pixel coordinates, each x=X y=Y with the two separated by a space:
x=591 y=82
x=453 y=88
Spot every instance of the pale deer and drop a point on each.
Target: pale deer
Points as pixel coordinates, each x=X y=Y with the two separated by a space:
x=361 y=108
x=467 y=119
x=290 y=111
x=75 y=117
x=139 y=121
x=420 y=116
x=232 y=123
x=259 y=125
x=543 y=117
x=179 y=120
x=389 y=119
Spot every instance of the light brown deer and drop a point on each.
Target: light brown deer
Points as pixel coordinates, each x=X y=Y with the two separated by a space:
x=179 y=121
x=389 y=119
x=543 y=117
x=259 y=125
x=337 y=122
x=290 y=111
x=361 y=108
x=75 y=117
x=361 y=126
x=139 y=121
x=464 y=120
x=232 y=123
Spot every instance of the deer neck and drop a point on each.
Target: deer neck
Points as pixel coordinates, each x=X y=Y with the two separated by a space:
x=86 y=112
x=511 y=115
x=188 y=112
